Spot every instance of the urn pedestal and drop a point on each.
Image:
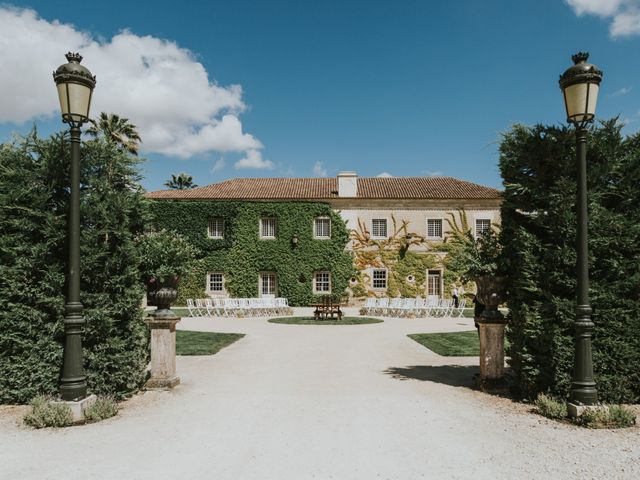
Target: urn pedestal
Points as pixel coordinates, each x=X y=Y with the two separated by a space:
x=162 y=323
x=491 y=328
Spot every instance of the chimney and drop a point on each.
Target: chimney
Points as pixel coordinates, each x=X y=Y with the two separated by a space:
x=347 y=184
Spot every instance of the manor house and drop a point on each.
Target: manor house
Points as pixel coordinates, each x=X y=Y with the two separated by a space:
x=398 y=226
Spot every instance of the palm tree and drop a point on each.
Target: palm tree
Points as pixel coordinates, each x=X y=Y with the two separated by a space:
x=116 y=129
x=180 y=182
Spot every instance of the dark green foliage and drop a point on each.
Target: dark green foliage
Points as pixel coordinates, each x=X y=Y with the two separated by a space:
x=538 y=235
x=242 y=255
x=164 y=256
x=33 y=252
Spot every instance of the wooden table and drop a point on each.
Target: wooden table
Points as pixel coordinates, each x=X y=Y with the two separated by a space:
x=327 y=310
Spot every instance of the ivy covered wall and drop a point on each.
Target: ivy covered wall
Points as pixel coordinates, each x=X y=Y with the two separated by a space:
x=241 y=255
x=407 y=257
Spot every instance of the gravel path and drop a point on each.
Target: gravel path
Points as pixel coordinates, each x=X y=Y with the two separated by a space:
x=320 y=402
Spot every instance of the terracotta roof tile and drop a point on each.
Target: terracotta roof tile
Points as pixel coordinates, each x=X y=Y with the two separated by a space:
x=326 y=188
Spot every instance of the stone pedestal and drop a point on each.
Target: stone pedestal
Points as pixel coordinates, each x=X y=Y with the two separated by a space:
x=575 y=409
x=163 y=352
x=491 y=348
x=78 y=407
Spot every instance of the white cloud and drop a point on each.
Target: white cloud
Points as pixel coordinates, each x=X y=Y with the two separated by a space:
x=319 y=170
x=625 y=14
x=430 y=173
x=253 y=159
x=158 y=85
x=603 y=8
x=218 y=165
x=620 y=92
x=626 y=24
x=384 y=175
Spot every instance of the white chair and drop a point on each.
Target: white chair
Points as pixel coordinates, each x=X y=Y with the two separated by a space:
x=191 y=306
x=208 y=304
x=201 y=307
x=218 y=306
x=394 y=306
x=381 y=306
x=461 y=306
x=369 y=305
x=420 y=307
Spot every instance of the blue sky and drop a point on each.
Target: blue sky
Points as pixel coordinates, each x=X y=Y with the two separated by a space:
x=286 y=88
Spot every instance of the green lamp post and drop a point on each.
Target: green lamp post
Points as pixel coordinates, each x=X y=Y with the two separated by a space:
x=580 y=84
x=75 y=85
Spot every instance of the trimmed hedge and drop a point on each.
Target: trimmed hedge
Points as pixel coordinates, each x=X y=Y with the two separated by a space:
x=33 y=262
x=538 y=237
x=242 y=255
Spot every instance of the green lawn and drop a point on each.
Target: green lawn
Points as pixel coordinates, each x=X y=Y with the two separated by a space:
x=455 y=344
x=203 y=343
x=313 y=321
x=452 y=344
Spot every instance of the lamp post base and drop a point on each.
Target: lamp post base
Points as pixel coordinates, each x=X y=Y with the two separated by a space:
x=78 y=407
x=576 y=409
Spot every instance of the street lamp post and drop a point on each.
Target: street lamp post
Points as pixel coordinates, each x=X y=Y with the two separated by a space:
x=75 y=85
x=580 y=84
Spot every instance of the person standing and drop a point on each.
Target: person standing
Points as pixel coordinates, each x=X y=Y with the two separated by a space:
x=454 y=294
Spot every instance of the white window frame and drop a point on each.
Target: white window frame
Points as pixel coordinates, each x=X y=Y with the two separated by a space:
x=275 y=285
x=386 y=228
x=315 y=228
x=275 y=228
x=373 y=278
x=327 y=282
x=215 y=219
x=440 y=282
x=435 y=237
x=477 y=234
x=222 y=283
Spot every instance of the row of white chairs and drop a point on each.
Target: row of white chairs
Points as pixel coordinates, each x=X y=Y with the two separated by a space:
x=418 y=307
x=237 y=307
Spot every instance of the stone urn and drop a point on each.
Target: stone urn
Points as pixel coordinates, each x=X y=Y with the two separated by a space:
x=491 y=293
x=163 y=294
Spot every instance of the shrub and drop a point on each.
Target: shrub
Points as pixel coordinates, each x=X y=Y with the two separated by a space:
x=46 y=413
x=538 y=234
x=102 y=408
x=550 y=407
x=612 y=417
x=164 y=255
x=33 y=263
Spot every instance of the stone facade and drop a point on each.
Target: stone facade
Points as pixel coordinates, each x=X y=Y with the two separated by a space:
x=399 y=226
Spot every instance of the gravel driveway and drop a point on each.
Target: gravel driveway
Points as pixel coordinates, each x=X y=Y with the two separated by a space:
x=320 y=402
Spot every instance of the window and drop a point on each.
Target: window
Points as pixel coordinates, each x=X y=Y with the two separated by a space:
x=216 y=228
x=380 y=278
x=268 y=227
x=268 y=284
x=215 y=282
x=321 y=282
x=482 y=226
x=434 y=283
x=379 y=228
x=434 y=228
x=322 y=227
